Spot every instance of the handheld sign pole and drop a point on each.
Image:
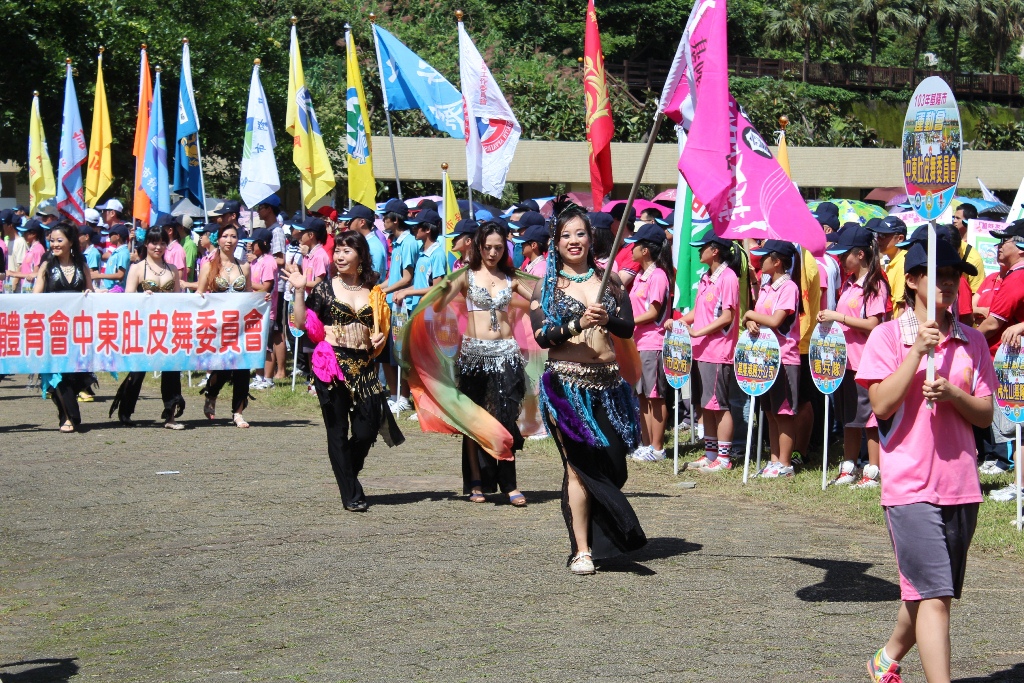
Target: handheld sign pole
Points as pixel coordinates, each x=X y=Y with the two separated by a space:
x=932 y=287
x=620 y=233
x=675 y=445
x=750 y=436
x=757 y=361
x=760 y=435
x=824 y=450
x=1020 y=510
x=693 y=419
x=827 y=361
x=295 y=363
x=677 y=361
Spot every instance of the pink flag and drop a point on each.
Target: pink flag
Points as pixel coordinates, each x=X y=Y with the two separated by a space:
x=726 y=161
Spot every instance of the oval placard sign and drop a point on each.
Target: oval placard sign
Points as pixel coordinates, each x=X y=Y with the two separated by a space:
x=294 y=331
x=1009 y=362
x=932 y=148
x=677 y=356
x=756 y=361
x=827 y=356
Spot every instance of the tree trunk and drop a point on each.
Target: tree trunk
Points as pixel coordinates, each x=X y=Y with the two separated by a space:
x=873 y=27
x=956 y=48
x=807 y=58
x=1000 y=51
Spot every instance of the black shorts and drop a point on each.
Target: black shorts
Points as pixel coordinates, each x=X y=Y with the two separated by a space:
x=853 y=407
x=931 y=542
x=784 y=395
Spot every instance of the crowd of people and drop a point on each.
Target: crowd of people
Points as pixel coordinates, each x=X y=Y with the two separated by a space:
x=348 y=278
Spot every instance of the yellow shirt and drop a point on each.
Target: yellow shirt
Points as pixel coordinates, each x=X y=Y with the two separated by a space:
x=810 y=289
x=974 y=258
x=897 y=281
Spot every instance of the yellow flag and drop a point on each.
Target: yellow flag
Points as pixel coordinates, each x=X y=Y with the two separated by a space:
x=98 y=176
x=451 y=213
x=41 y=185
x=362 y=188
x=309 y=153
x=782 y=156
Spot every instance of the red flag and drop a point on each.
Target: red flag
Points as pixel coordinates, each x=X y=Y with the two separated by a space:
x=140 y=203
x=600 y=126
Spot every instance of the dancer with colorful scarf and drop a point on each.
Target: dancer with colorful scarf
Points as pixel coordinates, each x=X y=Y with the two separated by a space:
x=348 y=319
x=586 y=392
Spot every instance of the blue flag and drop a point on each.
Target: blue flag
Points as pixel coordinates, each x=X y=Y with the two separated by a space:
x=410 y=83
x=188 y=170
x=154 y=166
x=70 y=190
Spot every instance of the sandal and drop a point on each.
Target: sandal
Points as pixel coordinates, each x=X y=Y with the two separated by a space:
x=68 y=427
x=476 y=496
x=517 y=500
x=582 y=564
x=210 y=408
x=173 y=425
x=239 y=421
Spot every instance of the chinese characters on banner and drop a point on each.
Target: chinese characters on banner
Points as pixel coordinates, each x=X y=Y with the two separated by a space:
x=56 y=333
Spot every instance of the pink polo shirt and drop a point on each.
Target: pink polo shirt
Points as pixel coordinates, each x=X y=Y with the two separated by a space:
x=174 y=255
x=649 y=288
x=536 y=268
x=928 y=456
x=716 y=292
x=263 y=270
x=33 y=258
x=315 y=264
x=853 y=305
x=783 y=295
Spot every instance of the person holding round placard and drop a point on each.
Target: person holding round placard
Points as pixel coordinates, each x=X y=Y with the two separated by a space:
x=714 y=327
x=348 y=319
x=651 y=299
x=778 y=306
x=861 y=308
x=931 y=490
x=589 y=409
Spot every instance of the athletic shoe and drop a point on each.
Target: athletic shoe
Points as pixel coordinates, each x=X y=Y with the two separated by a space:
x=256 y=383
x=582 y=564
x=797 y=460
x=698 y=464
x=415 y=417
x=847 y=474
x=537 y=437
x=869 y=480
x=719 y=465
x=656 y=455
x=85 y=397
x=400 y=405
x=204 y=381
x=1006 y=494
x=641 y=454
x=311 y=390
x=880 y=675
x=778 y=471
x=772 y=465
x=992 y=467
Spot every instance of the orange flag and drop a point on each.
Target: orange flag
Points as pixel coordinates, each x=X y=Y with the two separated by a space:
x=140 y=204
x=600 y=127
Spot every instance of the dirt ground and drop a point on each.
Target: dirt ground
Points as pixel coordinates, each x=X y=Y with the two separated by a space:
x=217 y=554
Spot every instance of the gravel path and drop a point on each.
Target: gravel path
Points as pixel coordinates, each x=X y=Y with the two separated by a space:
x=244 y=567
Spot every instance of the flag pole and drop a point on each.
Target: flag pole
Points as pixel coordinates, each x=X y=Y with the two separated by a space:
x=617 y=243
x=469 y=186
x=199 y=154
x=444 y=219
x=387 y=110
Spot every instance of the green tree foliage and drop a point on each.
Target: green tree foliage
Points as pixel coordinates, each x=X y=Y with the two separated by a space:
x=806 y=22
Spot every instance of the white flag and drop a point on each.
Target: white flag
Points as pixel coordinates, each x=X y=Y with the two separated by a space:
x=259 y=177
x=492 y=129
x=986 y=193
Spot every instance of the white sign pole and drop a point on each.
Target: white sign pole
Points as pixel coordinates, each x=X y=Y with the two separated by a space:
x=295 y=362
x=932 y=288
x=760 y=435
x=1016 y=467
x=750 y=435
x=824 y=451
x=675 y=446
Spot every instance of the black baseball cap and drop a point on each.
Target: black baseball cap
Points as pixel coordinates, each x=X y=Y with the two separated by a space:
x=890 y=225
x=360 y=211
x=852 y=237
x=824 y=209
x=528 y=219
x=467 y=226
x=668 y=221
x=525 y=205
x=121 y=230
x=260 y=235
x=620 y=209
x=775 y=246
x=711 y=237
x=426 y=204
x=226 y=207
x=649 y=232
x=601 y=220
x=534 y=233
x=920 y=234
x=945 y=257
x=163 y=219
x=317 y=226
x=424 y=217
x=391 y=206
x=7 y=217
x=1014 y=229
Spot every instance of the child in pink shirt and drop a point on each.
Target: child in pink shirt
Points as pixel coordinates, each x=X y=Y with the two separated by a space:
x=861 y=308
x=930 y=491
x=778 y=307
x=651 y=297
x=263 y=275
x=714 y=327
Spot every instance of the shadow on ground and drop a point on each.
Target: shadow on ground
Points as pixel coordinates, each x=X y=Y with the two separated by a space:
x=40 y=671
x=656 y=549
x=846 y=582
x=1016 y=673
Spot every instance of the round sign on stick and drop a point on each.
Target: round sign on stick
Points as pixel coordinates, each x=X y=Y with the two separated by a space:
x=756 y=361
x=827 y=356
x=444 y=329
x=294 y=331
x=1009 y=364
x=932 y=148
x=677 y=356
x=398 y=320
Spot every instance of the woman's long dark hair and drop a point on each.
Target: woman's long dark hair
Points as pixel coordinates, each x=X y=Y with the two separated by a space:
x=874 y=280
x=661 y=254
x=794 y=263
x=483 y=232
x=215 y=261
x=354 y=240
x=71 y=234
x=602 y=241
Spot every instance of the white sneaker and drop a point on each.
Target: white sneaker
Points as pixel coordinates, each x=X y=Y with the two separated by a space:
x=697 y=464
x=205 y=380
x=656 y=455
x=869 y=480
x=400 y=405
x=991 y=467
x=771 y=466
x=582 y=564
x=641 y=454
x=415 y=417
x=1006 y=494
x=256 y=383
x=778 y=471
x=537 y=437
x=847 y=473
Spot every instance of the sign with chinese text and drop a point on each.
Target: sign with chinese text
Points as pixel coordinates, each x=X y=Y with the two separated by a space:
x=56 y=333
x=827 y=356
x=1009 y=364
x=677 y=356
x=931 y=148
x=979 y=236
x=757 y=361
